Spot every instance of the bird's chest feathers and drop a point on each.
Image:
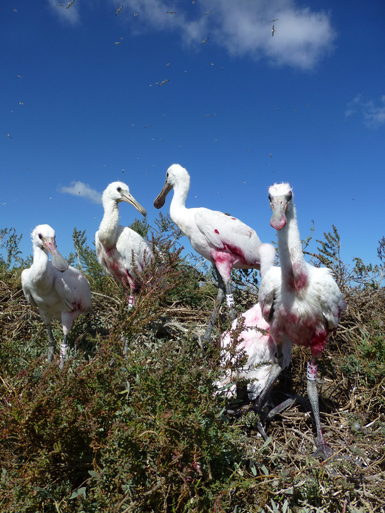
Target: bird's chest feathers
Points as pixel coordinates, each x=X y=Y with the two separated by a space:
x=303 y=322
x=42 y=276
x=112 y=260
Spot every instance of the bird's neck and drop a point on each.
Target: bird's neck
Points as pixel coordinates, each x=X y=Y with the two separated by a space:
x=293 y=265
x=109 y=226
x=178 y=202
x=40 y=262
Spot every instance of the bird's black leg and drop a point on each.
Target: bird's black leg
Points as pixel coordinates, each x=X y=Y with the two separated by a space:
x=275 y=371
x=51 y=348
x=323 y=449
x=218 y=302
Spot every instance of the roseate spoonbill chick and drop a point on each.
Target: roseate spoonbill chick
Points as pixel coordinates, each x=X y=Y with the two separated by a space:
x=122 y=252
x=57 y=289
x=300 y=302
x=220 y=238
x=260 y=349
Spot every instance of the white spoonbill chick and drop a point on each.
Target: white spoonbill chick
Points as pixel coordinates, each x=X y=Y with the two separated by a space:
x=58 y=290
x=122 y=252
x=220 y=238
x=300 y=302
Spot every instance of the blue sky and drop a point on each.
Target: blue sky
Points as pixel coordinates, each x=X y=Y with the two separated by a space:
x=74 y=105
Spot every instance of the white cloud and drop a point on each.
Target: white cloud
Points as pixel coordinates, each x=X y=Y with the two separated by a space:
x=81 y=189
x=302 y=37
x=373 y=116
x=70 y=15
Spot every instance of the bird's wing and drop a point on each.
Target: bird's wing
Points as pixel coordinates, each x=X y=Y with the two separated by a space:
x=223 y=230
x=331 y=298
x=25 y=287
x=327 y=295
x=269 y=292
x=129 y=245
x=73 y=290
x=63 y=290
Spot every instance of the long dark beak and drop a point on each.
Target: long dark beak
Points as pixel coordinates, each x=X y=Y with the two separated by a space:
x=159 y=202
x=58 y=261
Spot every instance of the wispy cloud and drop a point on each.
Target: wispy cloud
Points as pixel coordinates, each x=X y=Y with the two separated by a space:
x=302 y=37
x=373 y=115
x=81 y=189
x=70 y=15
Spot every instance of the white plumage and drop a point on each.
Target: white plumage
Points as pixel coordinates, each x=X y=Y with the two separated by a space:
x=260 y=349
x=300 y=302
x=122 y=252
x=222 y=239
x=56 y=289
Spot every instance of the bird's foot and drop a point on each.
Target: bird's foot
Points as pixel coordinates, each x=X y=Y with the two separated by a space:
x=280 y=408
x=323 y=451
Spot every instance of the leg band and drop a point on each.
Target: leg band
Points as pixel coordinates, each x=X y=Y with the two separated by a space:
x=131 y=301
x=312 y=371
x=230 y=300
x=63 y=350
x=279 y=358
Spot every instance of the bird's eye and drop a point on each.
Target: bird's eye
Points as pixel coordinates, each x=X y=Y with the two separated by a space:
x=40 y=236
x=270 y=198
x=119 y=189
x=167 y=174
x=289 y=196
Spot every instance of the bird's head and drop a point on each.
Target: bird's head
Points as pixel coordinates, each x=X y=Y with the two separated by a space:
x=175 y=175
x=119 y=191
x=43 y=237
x=280 y=198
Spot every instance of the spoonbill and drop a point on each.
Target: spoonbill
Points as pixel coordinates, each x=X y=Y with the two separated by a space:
x=255 y=340
x=57 y=289
x=122 y=252
x=220 y=238
x=301 y=303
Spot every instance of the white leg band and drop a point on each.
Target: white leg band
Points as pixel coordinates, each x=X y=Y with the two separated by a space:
x=131 y=301
x=230 y=300
x=63 y=350
x=312 y=371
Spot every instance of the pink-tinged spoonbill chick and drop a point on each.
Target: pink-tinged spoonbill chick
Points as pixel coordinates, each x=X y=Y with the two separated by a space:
x=122 y=252
x=220 y=238
x=255 y=340
x=299 y=301
x=58 y=290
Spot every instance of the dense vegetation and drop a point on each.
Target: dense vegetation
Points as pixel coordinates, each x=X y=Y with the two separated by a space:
x=141 y=431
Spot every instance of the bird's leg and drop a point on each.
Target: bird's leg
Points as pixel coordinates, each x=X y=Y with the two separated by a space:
x=230 y=300
x=131 y=301
x=218 y=302
x=275 y=371
x=51 y=348
x=323 y=449
x=66 y=319
x=63 y=352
